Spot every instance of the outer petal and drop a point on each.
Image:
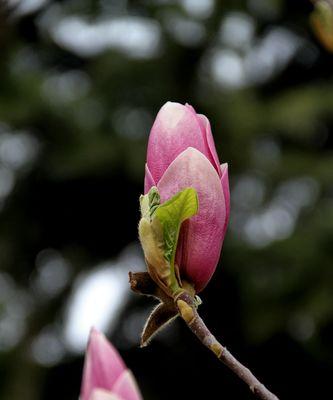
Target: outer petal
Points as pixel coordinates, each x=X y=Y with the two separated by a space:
x=201 y=237
x=149 y=180
x=126 y=387
x=210 y=141
x=103 y=365
x=226 y=192
x=100 y=394
x=175 y=129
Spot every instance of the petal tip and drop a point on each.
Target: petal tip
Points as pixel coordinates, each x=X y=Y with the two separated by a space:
x=224 y=169
x=103 y=364
x=171 y=114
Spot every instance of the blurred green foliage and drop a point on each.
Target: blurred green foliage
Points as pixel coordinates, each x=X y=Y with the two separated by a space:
x=81 y=82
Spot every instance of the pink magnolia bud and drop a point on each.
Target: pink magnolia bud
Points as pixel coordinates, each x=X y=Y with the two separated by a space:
x=105 y=376
x=181 y=153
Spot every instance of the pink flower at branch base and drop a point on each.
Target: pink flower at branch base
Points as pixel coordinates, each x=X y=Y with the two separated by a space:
x=181 y=153
x=105 y=376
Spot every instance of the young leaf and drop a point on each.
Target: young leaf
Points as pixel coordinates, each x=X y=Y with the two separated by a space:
x=149 y=202
x=171 y=214
x=154 y=200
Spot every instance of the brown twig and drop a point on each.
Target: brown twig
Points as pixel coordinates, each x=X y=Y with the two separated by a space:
x=188 y=312
x=184 y=304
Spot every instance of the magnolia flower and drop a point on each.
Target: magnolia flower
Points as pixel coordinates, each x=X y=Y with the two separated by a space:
x=184 y=217
x=181 y=153
x=105 y=376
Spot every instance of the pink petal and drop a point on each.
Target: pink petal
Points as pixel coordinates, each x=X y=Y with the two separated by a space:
x=126 y=387
x=191 y=108
x=214 y=158
x=149 y=180
x=103 y=365
x=226 y=192
x=175 y=129
x=100 y=394
x=201 y=237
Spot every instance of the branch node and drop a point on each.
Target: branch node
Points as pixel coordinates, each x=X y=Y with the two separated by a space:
x=186 y=311
x=217 y=349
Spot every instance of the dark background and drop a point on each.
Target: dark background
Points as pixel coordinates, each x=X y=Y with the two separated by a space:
x=81 y=82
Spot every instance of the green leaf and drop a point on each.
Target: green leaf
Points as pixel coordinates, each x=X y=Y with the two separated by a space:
x=154 y=200
x=149 y=202
x=171 y=215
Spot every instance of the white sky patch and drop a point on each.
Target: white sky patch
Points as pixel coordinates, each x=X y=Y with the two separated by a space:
x=47 y=349
x=275 y=223
x=97 y=299
x=99 y=296
x=199 y=9
x=25 y=7
x=271 y=54
x=261 y=225
x=17 y=149
x=52 y=274
x=243 y=61
x=227 y=68
x=237 y=30
x=135 y=36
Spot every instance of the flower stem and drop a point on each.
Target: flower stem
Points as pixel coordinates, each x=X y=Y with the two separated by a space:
x=188 y=311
